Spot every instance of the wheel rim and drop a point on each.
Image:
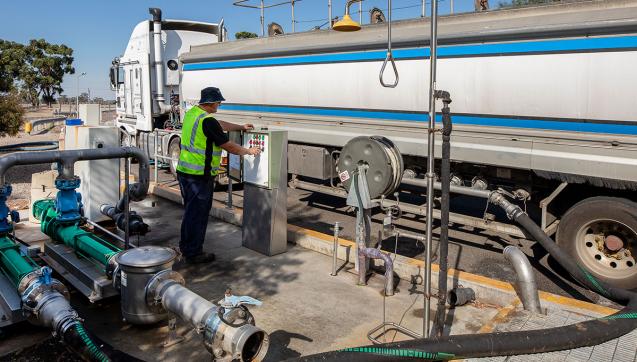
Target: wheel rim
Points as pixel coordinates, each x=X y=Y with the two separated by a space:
x=607 y=247
x=174 y=155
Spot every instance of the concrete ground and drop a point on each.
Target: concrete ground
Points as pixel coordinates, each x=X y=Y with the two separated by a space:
x=305 y=310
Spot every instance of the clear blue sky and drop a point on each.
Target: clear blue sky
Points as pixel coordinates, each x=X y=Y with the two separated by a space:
x=98 y=30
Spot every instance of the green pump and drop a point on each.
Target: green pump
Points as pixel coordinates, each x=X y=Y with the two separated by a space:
x=83 y=242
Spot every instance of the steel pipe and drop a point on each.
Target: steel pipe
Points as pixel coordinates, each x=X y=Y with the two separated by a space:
x=66 y=160
x=373 y=253
x=527 y=287
x=245 y=343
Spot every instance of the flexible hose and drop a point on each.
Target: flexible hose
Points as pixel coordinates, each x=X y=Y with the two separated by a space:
x=81 y=343
x=30 y=146
x=443 y=243
x=91 y=348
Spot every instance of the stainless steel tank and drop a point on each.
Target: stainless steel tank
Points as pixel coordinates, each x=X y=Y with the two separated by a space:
x=137 y=266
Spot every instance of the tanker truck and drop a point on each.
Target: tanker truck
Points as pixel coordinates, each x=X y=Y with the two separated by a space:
x=544 y=107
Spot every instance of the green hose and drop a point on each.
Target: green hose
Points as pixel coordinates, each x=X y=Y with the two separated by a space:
x=94 y=351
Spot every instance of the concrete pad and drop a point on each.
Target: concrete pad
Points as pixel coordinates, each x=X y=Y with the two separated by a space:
x=305 y=310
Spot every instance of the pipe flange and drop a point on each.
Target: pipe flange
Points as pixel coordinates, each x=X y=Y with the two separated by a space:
x=27 y=280
x=157 y=284
x=210 y=329
x=112 y=267
x=37 y=294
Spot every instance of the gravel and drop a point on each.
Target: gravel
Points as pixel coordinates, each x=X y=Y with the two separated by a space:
x=20 y=176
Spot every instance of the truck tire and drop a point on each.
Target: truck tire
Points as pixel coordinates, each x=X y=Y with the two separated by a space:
x=600 y=233
x=174 y=149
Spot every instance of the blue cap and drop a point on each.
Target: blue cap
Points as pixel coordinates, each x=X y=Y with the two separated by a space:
x=211 y=95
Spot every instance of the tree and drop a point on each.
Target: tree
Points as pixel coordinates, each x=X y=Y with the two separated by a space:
x=84 y=98
x=12 y=58
x=11 y=114
x=245 y=35
x=48 y=64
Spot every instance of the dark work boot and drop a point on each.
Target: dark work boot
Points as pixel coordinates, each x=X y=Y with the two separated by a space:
x=201 y=258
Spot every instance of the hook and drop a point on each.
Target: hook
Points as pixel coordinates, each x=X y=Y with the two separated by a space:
x=389 y=57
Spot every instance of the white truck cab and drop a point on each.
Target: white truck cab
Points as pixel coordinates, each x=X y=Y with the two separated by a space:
x=146 y=77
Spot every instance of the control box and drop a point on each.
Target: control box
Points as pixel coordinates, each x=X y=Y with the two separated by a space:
x=264 y=170
x=99 y=178
x=265 y=192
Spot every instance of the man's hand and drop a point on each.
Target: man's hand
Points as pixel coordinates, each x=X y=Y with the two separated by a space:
x=248 y=126
x=254 y=151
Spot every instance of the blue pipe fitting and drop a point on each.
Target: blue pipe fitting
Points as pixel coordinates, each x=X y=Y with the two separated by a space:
x=5 y=225
x=68 y=203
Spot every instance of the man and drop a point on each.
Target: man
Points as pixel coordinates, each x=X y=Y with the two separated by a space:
x=202 y=139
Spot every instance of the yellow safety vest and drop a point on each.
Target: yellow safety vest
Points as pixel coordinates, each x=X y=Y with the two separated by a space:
x=192 y=157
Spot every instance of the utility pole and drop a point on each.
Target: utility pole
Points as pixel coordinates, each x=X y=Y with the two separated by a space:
x=360 y=12
x=77 y=97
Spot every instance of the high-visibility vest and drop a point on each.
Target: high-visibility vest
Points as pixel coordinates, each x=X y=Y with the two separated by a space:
x=192 y=157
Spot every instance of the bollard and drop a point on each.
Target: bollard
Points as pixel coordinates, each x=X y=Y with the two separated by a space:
x=335 y=251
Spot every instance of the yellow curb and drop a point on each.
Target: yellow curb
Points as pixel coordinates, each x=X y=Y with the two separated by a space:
x=500 y=317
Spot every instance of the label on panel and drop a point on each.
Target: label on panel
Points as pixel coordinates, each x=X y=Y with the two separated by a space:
x=256 y=168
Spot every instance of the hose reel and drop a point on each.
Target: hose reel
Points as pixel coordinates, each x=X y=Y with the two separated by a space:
x=384 y=161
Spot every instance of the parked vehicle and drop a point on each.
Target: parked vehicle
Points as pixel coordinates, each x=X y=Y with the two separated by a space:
x=543 y=106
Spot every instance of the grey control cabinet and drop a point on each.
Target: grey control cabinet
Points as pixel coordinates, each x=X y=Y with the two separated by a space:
x=265 y=192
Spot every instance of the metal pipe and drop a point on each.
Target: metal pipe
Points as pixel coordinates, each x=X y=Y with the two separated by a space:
x=126 y=204
x=462 y=190
x=329 y=14
x=373 y=253
x=105 y=230
x=262 y=19
x=136 y=225
x=68 y=158
x=337 y=226
x=158 y=59
x=245 y=343
x=527 y=287
x=430 y=163
x=293 y=22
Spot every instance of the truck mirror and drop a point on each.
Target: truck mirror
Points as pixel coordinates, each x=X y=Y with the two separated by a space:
x=113 y=79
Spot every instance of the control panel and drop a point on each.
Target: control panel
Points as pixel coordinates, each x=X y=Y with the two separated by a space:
x=264 y=169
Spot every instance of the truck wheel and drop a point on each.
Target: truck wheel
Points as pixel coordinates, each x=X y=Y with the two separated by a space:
x=125 y=140
x=173 y=153
x=601 y=234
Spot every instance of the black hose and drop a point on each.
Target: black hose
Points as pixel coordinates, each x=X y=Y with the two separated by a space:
x=577 y=335
x=91 y=348
x=443 y=244
x=30 y=146
x=78 y=340
x=136 y=224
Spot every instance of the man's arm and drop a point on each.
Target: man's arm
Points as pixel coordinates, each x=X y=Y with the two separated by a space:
x=234 y=148
x=228 y=127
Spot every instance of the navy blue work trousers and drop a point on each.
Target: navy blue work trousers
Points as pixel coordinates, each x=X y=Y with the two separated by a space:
x=197 y=195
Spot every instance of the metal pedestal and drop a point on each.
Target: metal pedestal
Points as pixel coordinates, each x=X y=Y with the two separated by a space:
x=10 y=305
x=84 y=275
x=265 y=193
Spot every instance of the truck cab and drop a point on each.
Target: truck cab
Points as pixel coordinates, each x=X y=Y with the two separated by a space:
x=146 y=77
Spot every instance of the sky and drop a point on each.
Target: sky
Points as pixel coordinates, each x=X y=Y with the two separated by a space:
x=98 y=30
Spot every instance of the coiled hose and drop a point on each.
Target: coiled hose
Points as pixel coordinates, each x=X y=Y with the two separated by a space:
x=577 y=335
